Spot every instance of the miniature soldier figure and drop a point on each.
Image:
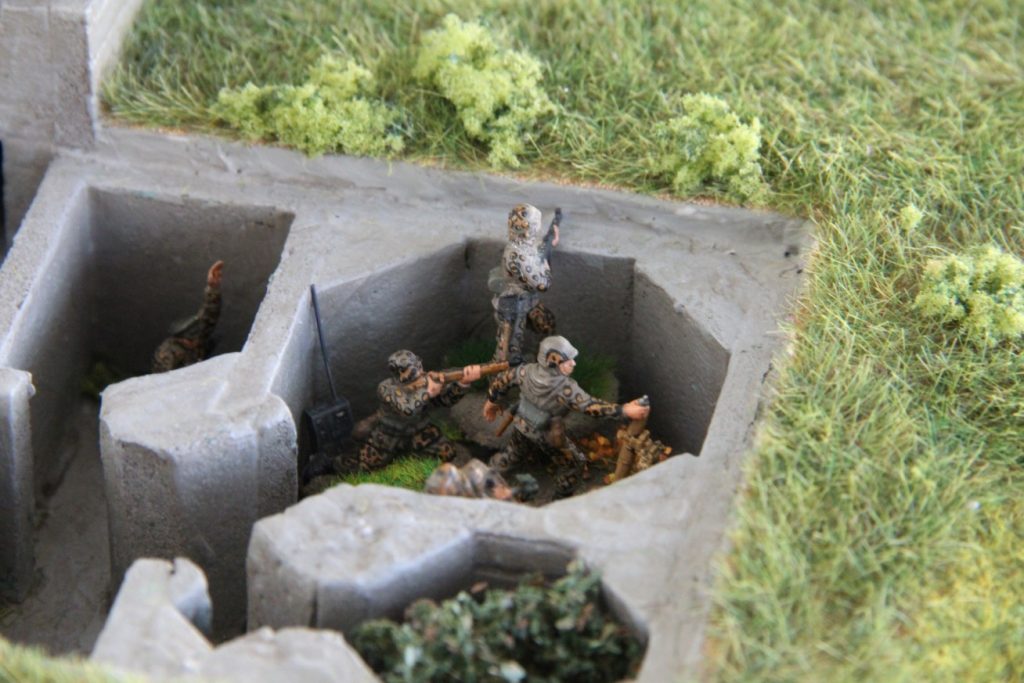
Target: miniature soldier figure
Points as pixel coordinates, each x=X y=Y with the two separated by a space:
x=525 y=271
x=477 y=480
x=472 y=480
x=546 y=395
x=403 y=425
x=193 y=341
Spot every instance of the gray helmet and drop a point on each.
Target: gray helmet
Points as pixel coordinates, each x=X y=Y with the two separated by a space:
x=555 y=350
x=405 y=365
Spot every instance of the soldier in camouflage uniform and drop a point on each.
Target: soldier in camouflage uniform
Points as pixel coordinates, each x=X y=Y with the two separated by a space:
x=524 y=273
x=546 y=395
x=403 y=425
x=193 y=341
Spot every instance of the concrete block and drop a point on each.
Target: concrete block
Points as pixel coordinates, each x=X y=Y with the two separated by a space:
x=293 y=654
x=16 y=499
x=147 y=630
x=108 y=23
x=26 y=75
x=154 y=628
x=25 y=163
x=186 y=476
x=73 y=93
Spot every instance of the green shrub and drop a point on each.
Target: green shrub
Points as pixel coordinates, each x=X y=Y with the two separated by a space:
x=335 y=110
x=707 y=143
x=496 y=92
x=538 y=633
x=979 y=293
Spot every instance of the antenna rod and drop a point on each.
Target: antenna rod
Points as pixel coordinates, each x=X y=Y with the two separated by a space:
x=323 y=346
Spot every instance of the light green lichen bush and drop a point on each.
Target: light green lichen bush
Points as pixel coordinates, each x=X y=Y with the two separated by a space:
x=496 y=92
x=335 y=110
x=707 y=143
x=980 y=292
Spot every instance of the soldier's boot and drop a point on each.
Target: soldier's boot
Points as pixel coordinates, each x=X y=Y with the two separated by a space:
x=542 y=320
x=430 y=442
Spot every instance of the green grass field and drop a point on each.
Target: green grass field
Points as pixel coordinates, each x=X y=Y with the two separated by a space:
x=879 y=533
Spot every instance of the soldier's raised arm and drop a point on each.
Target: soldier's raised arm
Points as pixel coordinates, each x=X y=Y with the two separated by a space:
x=498 y=387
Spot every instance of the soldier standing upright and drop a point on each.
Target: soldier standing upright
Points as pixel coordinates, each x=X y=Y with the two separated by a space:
x=546 y=395
x=193 y=341
x=524 y=273
x=402 y=421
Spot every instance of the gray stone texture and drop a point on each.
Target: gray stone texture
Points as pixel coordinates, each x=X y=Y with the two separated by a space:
x=156 y=628
x=53 y=55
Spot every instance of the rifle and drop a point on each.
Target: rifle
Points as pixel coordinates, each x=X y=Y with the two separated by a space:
x=512 y=410
x=447 y=376
x=548 y=238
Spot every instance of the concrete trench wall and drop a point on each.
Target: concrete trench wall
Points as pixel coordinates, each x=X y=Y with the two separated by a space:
x=194 y=458
x=53 y=55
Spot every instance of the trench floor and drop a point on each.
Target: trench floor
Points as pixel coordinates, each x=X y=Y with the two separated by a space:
x=70 y=596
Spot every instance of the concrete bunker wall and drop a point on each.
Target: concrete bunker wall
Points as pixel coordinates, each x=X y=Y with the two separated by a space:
x=128 y=267
x=119 y=269
x=432 y=304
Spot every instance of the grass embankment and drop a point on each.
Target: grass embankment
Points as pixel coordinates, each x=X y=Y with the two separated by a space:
x=878 y=538
x=18 y=664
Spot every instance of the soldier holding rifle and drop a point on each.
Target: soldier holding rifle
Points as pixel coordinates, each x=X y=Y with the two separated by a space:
x=402 y=422
x=546 y=395
x=524 y=273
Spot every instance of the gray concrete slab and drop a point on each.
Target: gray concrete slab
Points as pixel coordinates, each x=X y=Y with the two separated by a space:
x=153 y=631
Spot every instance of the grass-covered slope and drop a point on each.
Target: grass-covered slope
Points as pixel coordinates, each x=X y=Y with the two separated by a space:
x=878 y=537
x=18 y=664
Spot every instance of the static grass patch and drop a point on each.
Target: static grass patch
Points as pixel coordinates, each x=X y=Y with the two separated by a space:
x=896 y=128
x=409 y=472
x=19 y=664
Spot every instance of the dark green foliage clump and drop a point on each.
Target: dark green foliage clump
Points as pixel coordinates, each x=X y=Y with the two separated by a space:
x=595 y=373
x=473 y=350
x=537 y=633
x=101 y=374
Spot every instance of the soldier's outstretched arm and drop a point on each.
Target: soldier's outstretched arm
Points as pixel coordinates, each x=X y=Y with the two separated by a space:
x=582 y=402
